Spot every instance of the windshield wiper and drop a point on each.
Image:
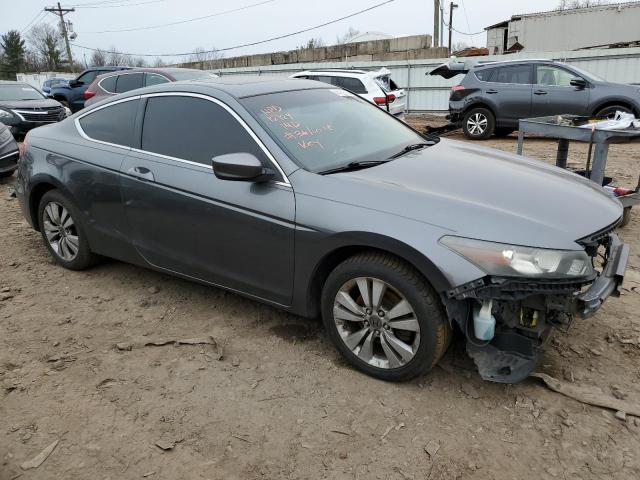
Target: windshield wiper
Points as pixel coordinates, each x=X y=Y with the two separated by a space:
x=353 y=166
x=411 y=148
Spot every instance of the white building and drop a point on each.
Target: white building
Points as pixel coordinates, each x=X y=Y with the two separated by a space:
x=563 y=30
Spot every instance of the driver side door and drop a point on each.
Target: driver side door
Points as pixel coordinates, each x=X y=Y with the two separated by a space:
x=183 y=219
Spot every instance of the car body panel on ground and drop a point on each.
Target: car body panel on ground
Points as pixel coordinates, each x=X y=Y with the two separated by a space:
x=23 y=108
x=146 y=193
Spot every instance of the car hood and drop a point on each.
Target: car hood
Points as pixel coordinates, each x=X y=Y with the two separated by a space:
x=45 y=102
x=478 y=192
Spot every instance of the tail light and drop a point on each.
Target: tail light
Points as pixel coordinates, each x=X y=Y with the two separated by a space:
x=389 y=98
x=22 y=147
x=88 y=94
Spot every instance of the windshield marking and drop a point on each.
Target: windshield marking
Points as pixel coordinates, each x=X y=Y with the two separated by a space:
x=292 y=129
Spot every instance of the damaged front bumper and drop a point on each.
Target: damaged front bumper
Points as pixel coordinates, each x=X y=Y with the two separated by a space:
x=524 y=312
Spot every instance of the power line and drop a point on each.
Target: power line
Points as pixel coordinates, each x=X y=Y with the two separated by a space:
x=185 y=21
x=279 y=37
x=32 y=21
x=121 y=5
x=463 y=33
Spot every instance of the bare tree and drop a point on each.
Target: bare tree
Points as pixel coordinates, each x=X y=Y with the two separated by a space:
x=116 y=58
x=459 y=46
x=205 y=57
x=98 y=58
x=158 y=62
x=313 y=43
x=350 y=33
x=138 y=62
x=574 y=4
x=46 y=42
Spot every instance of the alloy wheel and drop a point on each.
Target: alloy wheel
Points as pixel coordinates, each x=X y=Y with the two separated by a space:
x=477 y=124
x=61 y=231
x=376 y=322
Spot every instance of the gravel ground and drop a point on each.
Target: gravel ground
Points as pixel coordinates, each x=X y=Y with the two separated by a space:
x=281 y=403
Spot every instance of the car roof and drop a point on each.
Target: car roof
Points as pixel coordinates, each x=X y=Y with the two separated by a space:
x=354 y=72
x=238 y=86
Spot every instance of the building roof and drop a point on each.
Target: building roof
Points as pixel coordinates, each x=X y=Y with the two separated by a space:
x=569 y=11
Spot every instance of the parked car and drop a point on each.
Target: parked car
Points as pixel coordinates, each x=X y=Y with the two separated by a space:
x=377 y=86
x=71 y=95
x=273 y=189
x=23 y=107
x=52 y=82
x=493 y=97
x=8 y=152
x=109 y=84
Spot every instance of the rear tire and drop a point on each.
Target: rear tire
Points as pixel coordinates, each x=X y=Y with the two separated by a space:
x=385 y=329
x=63 y=232
x=610 y=111
x=478 y=124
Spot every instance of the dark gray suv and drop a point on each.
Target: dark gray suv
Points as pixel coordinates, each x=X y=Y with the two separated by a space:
x=493 y=97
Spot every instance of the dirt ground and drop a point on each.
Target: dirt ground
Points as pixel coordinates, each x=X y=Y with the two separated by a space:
x=282 y=403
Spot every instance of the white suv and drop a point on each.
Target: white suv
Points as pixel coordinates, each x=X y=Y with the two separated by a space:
x=375 y=86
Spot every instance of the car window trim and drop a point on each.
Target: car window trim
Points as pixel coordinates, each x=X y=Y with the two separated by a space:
x=285 y=182
x=146 y=74
x=127 y=73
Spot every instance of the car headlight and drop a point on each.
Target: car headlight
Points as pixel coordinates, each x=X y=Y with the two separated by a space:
x=67 y=112
x=5 y=114
x=512 y=260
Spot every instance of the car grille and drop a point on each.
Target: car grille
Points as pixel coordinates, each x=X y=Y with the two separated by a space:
x=46 y=114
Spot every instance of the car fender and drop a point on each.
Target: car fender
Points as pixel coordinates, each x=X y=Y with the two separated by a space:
x=612 y=99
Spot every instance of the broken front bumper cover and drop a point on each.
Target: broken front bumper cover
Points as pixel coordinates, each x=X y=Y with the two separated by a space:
x=515 y=351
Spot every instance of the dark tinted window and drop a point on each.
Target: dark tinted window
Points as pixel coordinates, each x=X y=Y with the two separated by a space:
x=128 y=82
x=193 y=129
x=323 y=78
x=113 y=124
x=88 y=77
x=154 y=79
x=513 y=74
x=485 y=75
x=352 y=84
x=109 y=83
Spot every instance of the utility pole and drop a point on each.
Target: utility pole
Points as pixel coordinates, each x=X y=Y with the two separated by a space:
x=436 y=23
x=63 y=27
x=451 y=7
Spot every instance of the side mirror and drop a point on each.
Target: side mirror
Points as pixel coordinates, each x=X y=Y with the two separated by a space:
x=75 y=83
x=240 y=167
x=578 y=82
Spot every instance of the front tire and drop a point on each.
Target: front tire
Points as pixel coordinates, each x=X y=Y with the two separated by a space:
x=383 y=317
x=63 y=233
x=478 y=124
x=607 y=113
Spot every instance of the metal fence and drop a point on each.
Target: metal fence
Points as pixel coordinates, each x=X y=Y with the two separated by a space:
x=431 y=94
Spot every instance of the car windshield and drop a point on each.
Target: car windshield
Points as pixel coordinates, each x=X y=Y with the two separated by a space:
x=186 y=74
x=325 y=129
x=19 y=92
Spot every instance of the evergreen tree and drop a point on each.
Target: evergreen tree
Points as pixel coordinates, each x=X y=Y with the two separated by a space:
x=13 y=54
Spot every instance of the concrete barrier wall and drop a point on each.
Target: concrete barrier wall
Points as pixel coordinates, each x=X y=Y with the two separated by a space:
x=431 y=94
x=394 y=49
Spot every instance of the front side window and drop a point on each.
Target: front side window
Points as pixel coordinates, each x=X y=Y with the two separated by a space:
x=128 y=82
x=112 y=124
x=194 y=129
x=19 y=91
x=328 y=128
x=520 y=74
x=88 y=77
x=352 y=84
x=553 y=76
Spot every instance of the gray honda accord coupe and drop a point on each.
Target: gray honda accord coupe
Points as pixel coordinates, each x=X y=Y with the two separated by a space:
x=308 y=198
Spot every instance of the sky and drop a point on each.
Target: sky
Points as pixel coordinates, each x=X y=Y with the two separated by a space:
x=262 y=19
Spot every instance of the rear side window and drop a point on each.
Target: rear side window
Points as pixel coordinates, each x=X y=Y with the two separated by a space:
x=485 y=75
x=112 y=124
x=352 y=84
x=205 y=130
x=323 y=78
x=520 y=74
x=154 y=79
x=109 y=83
x=128 y=82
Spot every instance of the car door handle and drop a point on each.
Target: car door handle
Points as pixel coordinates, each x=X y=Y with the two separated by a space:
x=142 y=173
x=539 y=92
x=492 y=91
